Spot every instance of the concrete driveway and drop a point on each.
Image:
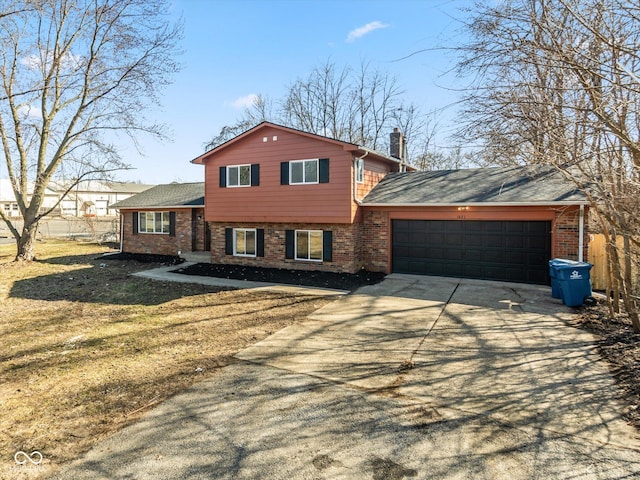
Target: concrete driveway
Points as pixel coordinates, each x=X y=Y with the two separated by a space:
x=416 y=377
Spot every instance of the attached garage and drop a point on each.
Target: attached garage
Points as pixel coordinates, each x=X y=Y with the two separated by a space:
x=500 y=224
x=515 y=251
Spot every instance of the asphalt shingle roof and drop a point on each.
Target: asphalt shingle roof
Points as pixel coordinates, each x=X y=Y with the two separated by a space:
x=170 y=195
x=503 y=185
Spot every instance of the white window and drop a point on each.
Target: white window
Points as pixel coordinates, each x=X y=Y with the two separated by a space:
x=244 y=242
x=239 y=176
x=154 y=222
x=360 y=170
x=309 y=245
x=303 y=171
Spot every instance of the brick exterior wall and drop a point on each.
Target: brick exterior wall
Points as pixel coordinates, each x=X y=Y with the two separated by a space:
x=164 y=244
x=355 y=246
x=566 y=234
x=375 y=241
x=346 y=247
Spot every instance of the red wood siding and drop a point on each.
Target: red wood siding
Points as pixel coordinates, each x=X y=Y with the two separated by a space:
x=376 y=236
x=374 y=171
x=319 y=203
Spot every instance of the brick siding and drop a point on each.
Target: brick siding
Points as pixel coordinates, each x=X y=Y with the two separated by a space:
x=375 y=241
x=164 y=244
x=346 y=245
x=566 y=234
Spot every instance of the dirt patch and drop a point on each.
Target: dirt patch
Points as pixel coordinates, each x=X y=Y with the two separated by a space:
x=339 y=281
x=620 y=347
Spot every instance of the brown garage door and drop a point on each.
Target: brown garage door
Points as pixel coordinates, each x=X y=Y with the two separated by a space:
x=514 y=251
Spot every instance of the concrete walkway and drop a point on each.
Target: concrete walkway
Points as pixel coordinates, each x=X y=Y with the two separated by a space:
x=416 y=377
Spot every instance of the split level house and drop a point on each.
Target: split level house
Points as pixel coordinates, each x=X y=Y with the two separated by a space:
x=283 y=198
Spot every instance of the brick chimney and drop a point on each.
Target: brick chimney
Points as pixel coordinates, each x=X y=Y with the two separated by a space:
x=396 y=144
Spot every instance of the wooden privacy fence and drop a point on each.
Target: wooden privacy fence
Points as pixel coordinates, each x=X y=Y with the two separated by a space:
x=598 y=258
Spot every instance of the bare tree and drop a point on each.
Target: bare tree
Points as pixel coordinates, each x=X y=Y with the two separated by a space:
x=71 y=71
x=558 y=81
x=259 y=111
x=358 y=106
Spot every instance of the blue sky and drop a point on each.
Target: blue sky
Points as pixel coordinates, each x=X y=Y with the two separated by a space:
x=235 y=49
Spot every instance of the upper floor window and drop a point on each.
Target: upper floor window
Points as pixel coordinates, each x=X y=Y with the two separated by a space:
x=360 y=170
x=240 y=176
x=303 y=171
x=154 y=222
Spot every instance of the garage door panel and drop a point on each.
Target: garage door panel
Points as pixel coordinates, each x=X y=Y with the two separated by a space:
x=491 y=256
x=515 y=242
x=500 y=250
x=538 y=243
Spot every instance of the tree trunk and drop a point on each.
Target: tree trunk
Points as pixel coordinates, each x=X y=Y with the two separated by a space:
x=27 y=242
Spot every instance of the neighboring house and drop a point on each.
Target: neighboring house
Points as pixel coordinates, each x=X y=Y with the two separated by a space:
x=165 y=219
x=95 y=198
x=91 y=198
x=9 y=203
x=280 y=197
x=8 y=199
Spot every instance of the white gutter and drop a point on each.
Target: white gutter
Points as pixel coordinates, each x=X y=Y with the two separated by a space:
x=478 y=204
x=355 y=180
x=581 y=233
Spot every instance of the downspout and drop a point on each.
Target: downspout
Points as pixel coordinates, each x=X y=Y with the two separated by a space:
x=355 y=180
x=121 y=230
x=581 y=233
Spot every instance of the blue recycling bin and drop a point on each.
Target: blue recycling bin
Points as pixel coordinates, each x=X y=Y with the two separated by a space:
x=574 y=281
x=556 y=292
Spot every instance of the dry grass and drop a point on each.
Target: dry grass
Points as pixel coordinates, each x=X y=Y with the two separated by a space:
x=87 y=349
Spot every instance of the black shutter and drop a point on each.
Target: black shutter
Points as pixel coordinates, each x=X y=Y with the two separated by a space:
x=228 y=241
x=284 y=173
x=260 y=242
x=327 y=246
x=172 y=224
x=289 y=247
x=255 y=175
x=134 y=221
x=223 y=177
x=323 y=165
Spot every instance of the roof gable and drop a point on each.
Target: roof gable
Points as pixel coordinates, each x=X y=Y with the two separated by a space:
x=346 y=146
x=170 y=195
x=505 y=185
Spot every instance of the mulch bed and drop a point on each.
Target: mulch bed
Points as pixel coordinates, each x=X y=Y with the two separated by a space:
x=144 y=258
x=620 y=347
x=340 y=281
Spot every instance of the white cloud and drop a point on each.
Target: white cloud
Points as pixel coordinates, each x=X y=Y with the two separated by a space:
x=362 y=31
x=69 y=61
x=28 y=111
x=244 y=102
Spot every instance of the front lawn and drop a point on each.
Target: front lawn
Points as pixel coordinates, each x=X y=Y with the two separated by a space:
x=86 y=348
